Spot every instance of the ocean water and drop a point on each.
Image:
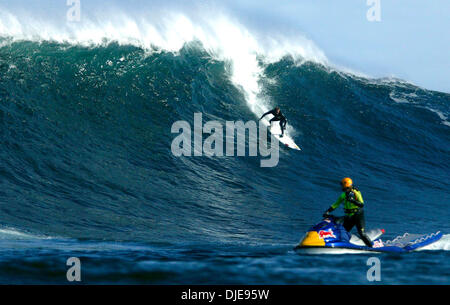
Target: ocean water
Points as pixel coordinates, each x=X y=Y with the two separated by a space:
x=86 y=168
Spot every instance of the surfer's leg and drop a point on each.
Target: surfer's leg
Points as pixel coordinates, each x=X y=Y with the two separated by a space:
x=273 y=120
x=270 y=121
x=283 y=126
x=360 y=225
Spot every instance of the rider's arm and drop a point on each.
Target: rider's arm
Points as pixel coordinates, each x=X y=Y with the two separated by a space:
x=357 y=200
x=338 y=202
x=335 y=205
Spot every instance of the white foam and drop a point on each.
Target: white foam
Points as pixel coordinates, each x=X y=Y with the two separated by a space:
x=11 y=233
x=410 y=98
x=441 y=115
x=222 y=36
x=399 y=100
x=441 y=244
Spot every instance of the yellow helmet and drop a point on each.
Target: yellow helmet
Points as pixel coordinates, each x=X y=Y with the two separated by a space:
x=346 y=182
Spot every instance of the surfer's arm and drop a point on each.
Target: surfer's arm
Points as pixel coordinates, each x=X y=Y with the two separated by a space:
x=268 y=112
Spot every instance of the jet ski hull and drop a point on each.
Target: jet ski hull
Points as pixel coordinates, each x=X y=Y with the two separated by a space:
x=329 y=236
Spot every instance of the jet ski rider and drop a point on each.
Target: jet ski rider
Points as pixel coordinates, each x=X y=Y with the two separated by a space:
x=353 y=207
x=277 y=116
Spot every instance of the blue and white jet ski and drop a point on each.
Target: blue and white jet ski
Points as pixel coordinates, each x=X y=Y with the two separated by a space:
x=330 y=236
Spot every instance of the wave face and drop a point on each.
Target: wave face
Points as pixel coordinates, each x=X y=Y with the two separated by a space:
x=85 y=145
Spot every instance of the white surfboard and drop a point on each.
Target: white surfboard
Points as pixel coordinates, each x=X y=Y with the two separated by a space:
x=286 y=140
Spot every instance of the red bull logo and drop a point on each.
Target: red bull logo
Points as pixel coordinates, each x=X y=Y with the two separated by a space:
x=378 y=244
x=326 y=234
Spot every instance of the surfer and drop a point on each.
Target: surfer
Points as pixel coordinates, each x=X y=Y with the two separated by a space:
x=353 y=207
x=277 y=116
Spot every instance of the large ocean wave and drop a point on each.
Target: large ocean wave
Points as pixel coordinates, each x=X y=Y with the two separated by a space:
x=85 y=149
x=87 y=108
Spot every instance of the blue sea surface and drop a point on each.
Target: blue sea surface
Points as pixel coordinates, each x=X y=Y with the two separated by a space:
x=86 y=169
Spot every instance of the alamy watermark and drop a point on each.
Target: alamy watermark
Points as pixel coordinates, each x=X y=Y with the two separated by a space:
x=213 y=145
x=74 y=11
x=74 y=272
x=374 y=11
x=374 y=272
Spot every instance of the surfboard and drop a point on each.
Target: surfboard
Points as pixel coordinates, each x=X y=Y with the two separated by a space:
x=286 y=140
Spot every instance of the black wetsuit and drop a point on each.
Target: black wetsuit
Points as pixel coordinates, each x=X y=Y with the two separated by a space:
x=277 y=117
x=358 y=220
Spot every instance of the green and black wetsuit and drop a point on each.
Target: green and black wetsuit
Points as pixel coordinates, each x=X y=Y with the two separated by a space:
x=354 y=213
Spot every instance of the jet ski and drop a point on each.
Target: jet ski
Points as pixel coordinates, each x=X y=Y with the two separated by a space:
x=330 y=236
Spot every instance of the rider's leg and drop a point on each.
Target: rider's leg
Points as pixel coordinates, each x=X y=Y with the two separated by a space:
x=349 y=223
x=360 y=225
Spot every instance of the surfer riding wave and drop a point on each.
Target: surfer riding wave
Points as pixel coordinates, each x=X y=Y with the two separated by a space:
x=277 y=116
